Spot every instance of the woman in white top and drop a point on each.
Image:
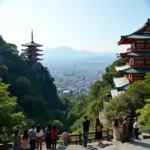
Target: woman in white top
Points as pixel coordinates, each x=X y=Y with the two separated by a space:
x=136 y=128
x=39 y=137
x=116 y=130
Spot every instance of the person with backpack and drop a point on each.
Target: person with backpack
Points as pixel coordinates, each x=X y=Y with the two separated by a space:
x=65 y=137
x=98 y=131
x=86 y=125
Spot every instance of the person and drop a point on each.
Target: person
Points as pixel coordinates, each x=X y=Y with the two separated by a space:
x=25 y=141
x=98 y=131
x=54 y=136
x=48 y=138
x=39 y=136
x=16 y=138
x=85 y=124
x=136 y=128
x=32 y=137
x=116 y=130
x=65 y=137
x=130 y=128
x=125 y=130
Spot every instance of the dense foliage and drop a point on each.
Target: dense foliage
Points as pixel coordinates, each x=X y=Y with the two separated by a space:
x=9 y=118
x=32 y=84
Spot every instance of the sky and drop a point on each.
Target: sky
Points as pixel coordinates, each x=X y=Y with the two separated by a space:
x=94 y=25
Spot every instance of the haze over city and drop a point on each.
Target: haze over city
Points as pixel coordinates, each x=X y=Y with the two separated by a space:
x=94 y=25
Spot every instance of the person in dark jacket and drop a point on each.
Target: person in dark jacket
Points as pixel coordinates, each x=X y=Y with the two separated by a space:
x=48 y=138
x=85 y=124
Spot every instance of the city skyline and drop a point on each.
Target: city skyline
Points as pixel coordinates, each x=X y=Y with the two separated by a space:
x=92 y=25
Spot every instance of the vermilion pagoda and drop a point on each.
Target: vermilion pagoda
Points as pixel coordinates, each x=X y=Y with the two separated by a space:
x=31 y=52
x=139 y=59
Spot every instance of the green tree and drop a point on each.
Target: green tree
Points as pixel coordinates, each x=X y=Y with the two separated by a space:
x=3 y=70
x=117 y=108
x=144 y=117
x=8 y=117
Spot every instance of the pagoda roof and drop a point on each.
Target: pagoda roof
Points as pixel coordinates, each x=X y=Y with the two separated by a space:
x=115 y=92
x=120 y=82
x=136 y=53
x=32 y=44
x=137 y=70
x=122 y=68
x=138 y=34
x=129 y=69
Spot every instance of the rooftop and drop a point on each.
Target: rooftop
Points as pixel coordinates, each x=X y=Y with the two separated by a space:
x=142 y=33
x=129 y=69
x=120 y=82
x=115 y=92
x=136 y=53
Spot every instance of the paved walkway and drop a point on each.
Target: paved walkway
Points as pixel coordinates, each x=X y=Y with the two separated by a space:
x=136 y=145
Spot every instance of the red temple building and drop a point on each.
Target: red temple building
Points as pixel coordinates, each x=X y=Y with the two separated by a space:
x=31 y=52
x=139 y=59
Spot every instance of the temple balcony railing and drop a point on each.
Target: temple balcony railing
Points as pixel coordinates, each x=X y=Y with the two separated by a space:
x=138 y=49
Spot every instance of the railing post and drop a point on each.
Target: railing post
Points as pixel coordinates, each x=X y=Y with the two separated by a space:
x=107 y=134
x=80 y=138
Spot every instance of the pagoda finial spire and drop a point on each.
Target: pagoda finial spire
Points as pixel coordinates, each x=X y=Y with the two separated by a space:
x=32 y=35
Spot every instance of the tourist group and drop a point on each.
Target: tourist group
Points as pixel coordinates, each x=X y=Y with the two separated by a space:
x=35 y=136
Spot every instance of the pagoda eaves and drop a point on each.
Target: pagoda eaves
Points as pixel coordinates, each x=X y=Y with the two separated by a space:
x=142 y=33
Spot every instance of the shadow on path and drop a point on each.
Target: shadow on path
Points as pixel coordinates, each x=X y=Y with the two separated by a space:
x=90 y=147
x=62 y=147
x=142 y=144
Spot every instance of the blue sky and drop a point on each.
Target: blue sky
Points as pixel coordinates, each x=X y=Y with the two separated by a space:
x=94 y=25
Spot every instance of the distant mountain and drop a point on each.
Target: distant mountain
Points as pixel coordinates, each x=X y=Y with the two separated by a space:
x=65 y=54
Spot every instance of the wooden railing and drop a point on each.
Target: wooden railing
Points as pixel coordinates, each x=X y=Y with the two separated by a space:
x=107 y=134
x=74 y=138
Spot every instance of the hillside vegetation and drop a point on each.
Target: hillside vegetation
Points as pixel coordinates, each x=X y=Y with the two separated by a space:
x=31 y=84
x=133 y=103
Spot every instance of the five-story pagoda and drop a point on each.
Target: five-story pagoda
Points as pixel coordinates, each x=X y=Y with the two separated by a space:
x=31 y=52
x=139 y=59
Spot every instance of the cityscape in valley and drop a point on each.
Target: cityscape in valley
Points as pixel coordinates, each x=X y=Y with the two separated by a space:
x=75 y=71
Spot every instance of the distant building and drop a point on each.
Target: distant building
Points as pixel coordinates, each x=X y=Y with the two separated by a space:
x=139 y=59
x=31 y=52
x=66 y=93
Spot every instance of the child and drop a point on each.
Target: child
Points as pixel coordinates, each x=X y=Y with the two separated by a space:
x=65 y=137
x=25 y=141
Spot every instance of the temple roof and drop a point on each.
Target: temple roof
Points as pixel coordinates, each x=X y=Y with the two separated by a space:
x=115 y=92
x=120 y=82
x=129 y=69
x=122 y=68
x=136 y=70
x=32 y=44
x=136 y=53
x=142 y=33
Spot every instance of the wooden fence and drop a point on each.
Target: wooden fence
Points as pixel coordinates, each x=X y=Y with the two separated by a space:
x=74 y=138
x=77 y=138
